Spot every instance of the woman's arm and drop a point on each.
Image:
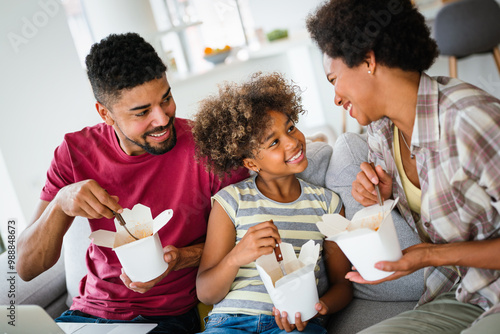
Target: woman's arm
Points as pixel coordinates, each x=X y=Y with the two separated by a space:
x=221 y=258
x=476 y=254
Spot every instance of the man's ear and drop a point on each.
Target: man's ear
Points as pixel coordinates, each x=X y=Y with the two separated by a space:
x=249 y=163
x=104 y=113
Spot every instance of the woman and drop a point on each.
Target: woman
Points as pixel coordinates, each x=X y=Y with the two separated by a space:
x=436 y=144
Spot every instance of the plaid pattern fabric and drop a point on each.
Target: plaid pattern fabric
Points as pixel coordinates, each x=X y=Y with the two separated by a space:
x=456 y=141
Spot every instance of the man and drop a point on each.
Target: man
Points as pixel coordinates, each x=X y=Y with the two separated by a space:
x=140 y=154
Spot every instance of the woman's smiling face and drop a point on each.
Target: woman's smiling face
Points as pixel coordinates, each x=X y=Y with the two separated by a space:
x=354 y=89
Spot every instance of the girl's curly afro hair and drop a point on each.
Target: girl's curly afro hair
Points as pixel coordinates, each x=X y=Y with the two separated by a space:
x=229 y=126
x=393 y=29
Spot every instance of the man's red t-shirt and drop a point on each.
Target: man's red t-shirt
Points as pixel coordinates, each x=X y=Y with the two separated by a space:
x=173 y=180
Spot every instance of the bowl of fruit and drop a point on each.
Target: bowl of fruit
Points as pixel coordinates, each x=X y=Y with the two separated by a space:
x=217 y=56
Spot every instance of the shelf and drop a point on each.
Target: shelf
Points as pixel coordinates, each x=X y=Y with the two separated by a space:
x=178 y=28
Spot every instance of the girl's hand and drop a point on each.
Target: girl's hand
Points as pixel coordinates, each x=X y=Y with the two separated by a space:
x=258 y=240
x=321 y=308
x=281 y=319
x=363 y=189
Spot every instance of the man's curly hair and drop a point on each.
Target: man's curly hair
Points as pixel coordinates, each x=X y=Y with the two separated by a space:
x=393 y=29
x=121 y=62
x=230 y=126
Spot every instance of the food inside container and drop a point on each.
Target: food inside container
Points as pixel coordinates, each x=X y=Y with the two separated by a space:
x=140 y=232
x=371 y=222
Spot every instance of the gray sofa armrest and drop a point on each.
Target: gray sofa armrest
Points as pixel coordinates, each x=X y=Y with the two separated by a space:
x=55 y=288
x=47 y=290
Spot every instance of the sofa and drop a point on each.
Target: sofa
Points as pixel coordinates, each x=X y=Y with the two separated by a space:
x=334 y=167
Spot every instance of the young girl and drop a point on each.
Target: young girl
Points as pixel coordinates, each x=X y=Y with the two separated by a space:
x=253 y=125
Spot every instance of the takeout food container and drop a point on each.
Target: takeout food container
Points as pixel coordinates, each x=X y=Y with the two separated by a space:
x=142 y=260
x=368 y=238
x=296 y=291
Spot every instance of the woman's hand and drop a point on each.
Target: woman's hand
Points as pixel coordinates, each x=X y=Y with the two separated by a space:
x=258 y=240
x=414 y=258
x=363 y=189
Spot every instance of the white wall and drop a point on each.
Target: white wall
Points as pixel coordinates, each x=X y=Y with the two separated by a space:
x=281 y=14
x=43 y=94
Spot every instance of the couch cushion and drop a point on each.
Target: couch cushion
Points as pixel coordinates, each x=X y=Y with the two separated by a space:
x=349 y=152
x=360 y=314
x=318 y=156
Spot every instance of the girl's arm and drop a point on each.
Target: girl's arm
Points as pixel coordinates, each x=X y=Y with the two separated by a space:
x=221 y=258
x=340 y=292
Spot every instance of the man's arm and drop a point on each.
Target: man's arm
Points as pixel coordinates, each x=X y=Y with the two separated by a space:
x=39 y=245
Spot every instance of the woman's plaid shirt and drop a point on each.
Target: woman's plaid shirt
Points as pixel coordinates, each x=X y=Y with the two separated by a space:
x=456 y=141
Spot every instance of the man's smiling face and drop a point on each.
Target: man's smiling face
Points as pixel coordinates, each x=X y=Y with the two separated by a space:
x=143 y=118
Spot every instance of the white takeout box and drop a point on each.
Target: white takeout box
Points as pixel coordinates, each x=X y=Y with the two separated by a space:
x=142 y=260
x=296 y=291
x=368 y=238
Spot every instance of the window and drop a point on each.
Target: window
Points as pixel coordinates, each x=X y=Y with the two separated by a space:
x=184 y=28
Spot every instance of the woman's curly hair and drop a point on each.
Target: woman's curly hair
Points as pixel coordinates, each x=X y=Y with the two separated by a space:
x=120 y=62
x=393 y=29
x=230 y=126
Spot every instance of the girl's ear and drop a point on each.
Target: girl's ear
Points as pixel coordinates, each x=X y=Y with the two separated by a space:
x=250 y=164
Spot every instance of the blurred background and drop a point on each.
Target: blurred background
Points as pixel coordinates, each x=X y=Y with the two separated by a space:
x=45 y=92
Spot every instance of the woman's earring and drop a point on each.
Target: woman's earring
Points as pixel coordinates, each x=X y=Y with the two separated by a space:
x=369 y=72
x=258 y=170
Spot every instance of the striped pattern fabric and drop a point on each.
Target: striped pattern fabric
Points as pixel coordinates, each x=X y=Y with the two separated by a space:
x=296 y=221
x=456 y=141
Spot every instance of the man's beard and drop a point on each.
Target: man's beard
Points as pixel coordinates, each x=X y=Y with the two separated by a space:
x=163 y=147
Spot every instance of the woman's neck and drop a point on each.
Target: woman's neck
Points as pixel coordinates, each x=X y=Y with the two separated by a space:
x=400 y=98
x=283 y=189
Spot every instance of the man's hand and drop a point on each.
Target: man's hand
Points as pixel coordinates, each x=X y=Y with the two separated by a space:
x=87 y=199
x=363 y=189
x=177 y=258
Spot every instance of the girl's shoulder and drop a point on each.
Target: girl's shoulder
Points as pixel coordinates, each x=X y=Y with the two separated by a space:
x=331 y=199
x=239 y=187
x=313 y=187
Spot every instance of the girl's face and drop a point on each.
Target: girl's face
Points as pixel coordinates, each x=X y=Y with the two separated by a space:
x=282 y=151
x=353 y=88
